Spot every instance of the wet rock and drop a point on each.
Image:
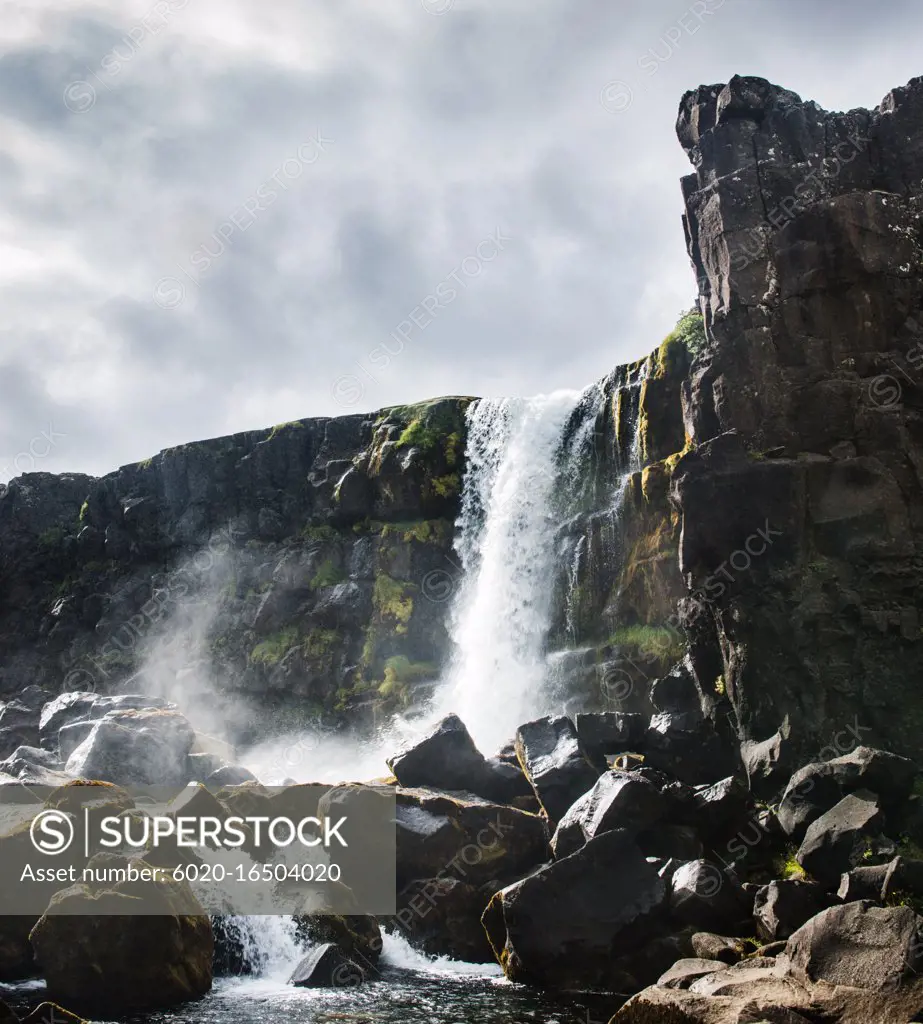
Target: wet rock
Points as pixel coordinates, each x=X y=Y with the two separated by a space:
x=229 y=775
x=85 y=706
x=451 y=834
x=26 y=758
x=816 y=788
x=702 y=894
x=135 y=747
x=684 y=972
x=677 y=692
x=447 y=759
x=837 y=840
x=18 y=727
x=621 y=800
x=686 y=745
x=358 y=937
x=782 y=907
x=98 y=953
x=554 y=763
x=200 y=766
x=442 y=917
x=327 y=967
x=574 y=923
x=70 y=737
x=609 y=732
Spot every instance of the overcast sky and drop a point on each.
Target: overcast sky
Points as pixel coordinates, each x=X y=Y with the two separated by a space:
x=217 y=215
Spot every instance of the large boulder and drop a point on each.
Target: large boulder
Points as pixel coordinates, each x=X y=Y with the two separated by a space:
x=577 y=922
x=686 y=744
x=622 y=800
x=702 y=894
x=465 y=837
x=357 y=936
x=442 y=917
x=556 y=766
x=817 y=787
x=327 y=966
x=768 y=764
x=19 y=726
x=859 y=945
x=136 y=748
x=602 y=733
x=99 y=954
x=782 y=907
x=86 y=706
x=837 y=840
x=448 y=759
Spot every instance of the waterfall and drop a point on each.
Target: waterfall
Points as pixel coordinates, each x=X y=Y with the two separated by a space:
x=519 y=485
x=266 y=946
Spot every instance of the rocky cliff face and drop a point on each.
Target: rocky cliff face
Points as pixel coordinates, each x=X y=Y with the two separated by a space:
x=801 y=500
x=282 y=568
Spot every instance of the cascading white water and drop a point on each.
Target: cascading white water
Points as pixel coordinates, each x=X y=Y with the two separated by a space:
x=506 y=545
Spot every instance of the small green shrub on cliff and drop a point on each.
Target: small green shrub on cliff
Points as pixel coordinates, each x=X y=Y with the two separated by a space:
x=689 y=333
x=280 y=427
x=328 y=575
x=393 y=600
x=84 y=509
x=447 y=486
x=274 y=648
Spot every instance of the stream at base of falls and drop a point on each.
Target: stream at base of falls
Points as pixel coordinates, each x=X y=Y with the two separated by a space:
x=412 y=988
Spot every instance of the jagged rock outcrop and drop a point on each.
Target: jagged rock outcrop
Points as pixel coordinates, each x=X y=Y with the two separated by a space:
x=802 y=499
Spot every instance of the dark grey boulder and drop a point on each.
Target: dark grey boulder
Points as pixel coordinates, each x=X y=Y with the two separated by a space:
x=702 y=894
x=620 y=800
x=814 y=789
x=677 y=692
x=573 y=923
x=686 y=745
x=71 y=736
x=684 y=972
x=725 y=948
x=610 y=732
x=326 y=966
x=229 y=775
x=85 y=706
x=722 y=807
x=18 y=727
x=859 y=945
x=783 y=906
x=664 y=840
x=768 y=764
x=554 y=763
x=448 y=759
x=837 y=840
x=136 y=747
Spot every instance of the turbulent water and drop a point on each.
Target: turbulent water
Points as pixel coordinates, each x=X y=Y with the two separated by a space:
x=412 y=988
